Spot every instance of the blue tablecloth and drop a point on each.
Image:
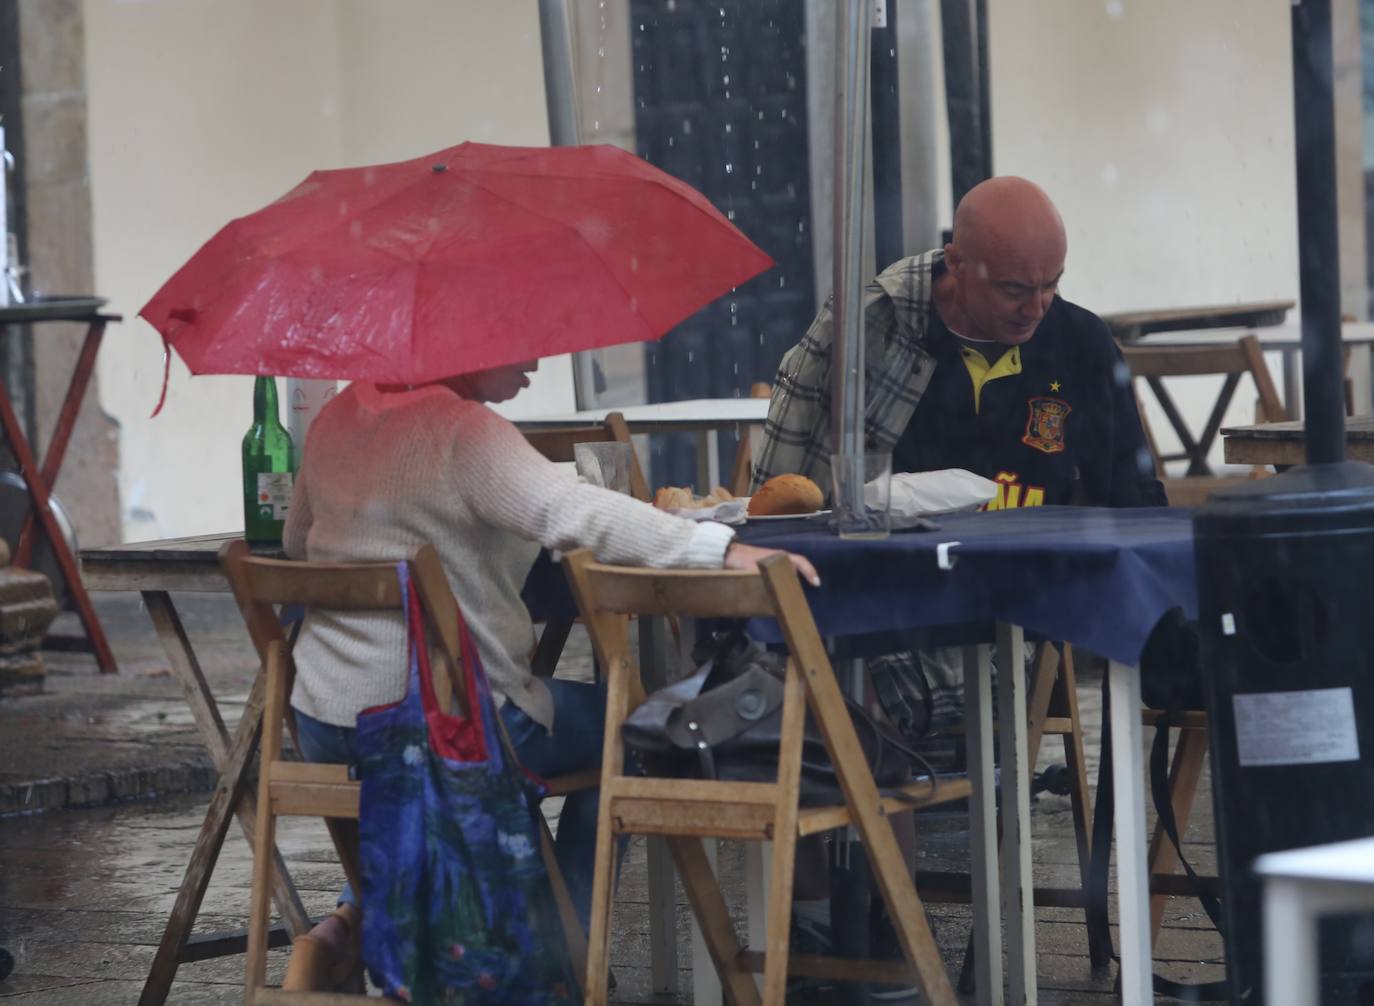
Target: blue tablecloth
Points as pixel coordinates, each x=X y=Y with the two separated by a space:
x=1094 y=577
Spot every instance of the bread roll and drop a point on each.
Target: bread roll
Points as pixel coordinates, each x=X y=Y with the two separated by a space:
x=785 y=494
x=673 y=498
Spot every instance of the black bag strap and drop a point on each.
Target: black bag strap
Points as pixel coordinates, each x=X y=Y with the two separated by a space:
x=1099 y=933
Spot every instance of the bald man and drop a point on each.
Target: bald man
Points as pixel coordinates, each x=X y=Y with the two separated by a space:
x=974 y=361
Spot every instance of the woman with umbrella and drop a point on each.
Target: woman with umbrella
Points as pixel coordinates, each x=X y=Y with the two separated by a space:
x=399 y=277
x=388 y=468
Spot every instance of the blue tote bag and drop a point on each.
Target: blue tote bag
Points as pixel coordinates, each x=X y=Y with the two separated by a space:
x=457 y=906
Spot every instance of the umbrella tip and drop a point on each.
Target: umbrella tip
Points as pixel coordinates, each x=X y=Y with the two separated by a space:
x=439 y=169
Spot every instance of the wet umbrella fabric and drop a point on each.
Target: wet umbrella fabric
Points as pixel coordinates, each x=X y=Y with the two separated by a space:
x=473 y=257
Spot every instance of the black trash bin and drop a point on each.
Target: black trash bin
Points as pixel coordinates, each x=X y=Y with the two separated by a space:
x=1286 y=606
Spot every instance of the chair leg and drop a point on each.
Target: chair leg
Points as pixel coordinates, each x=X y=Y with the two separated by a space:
x=1065 y=703
x=265 y=832
x=1184 y=772
x=708 y=905
x=779 y=927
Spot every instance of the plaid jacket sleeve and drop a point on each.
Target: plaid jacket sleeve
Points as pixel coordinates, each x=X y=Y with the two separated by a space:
x=797 y=435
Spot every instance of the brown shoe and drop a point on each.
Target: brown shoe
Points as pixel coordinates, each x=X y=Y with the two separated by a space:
x=319 y=965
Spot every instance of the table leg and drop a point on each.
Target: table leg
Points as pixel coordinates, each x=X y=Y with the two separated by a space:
x=39 y=492
x=1128 y=780
x=655 y=644
x=231 y=797
x=62 y=430
x=1292 y=381
x=1290 y=943
x=1018 y=894
x=987 y=915
x=706 y=990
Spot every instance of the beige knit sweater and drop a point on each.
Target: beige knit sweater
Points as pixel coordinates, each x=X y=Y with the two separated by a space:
x=386 y=472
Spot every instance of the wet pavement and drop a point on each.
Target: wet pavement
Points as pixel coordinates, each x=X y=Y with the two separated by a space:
x=85 y=890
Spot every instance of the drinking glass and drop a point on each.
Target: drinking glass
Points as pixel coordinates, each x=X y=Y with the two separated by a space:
x=871 y=475
x=605 y=464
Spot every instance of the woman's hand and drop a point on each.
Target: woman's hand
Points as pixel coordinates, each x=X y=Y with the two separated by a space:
x=747 y=557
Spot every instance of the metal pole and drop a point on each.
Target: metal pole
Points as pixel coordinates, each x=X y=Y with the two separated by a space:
x=887 y=142
x=560 y=99
x=851 y=119
x=560 y=78
x=966 y=100
x=1319 y=272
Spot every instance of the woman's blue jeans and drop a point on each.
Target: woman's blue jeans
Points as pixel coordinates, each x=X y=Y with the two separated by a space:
x=574 y=745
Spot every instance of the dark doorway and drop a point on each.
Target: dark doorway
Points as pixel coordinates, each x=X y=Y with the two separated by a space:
x=720 y=102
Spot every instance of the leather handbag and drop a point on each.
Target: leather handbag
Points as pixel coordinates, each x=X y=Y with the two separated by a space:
x=724 y=721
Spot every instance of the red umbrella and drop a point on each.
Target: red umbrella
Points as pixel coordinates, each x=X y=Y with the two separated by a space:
x=473 y=257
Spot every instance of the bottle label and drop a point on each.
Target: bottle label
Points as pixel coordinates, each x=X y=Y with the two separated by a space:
x=274 y=492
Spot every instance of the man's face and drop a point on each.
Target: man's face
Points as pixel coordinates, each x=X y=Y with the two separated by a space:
x=1004 y=296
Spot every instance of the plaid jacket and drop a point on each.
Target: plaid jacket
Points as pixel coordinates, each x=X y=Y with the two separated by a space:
x=897 y=367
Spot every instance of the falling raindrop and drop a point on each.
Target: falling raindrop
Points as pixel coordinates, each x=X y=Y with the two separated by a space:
x=729 y=214
x=737 y=371
x=670 y=141
x=760 y=338
x=641 y=26
x=782 y=282
x=729 y=168
x=725 y=79
x=686 y=127
x=756 y=144
x=691 y=355
x=760 y=115
x=754 y=185
x=601 y=51
x=730 y=129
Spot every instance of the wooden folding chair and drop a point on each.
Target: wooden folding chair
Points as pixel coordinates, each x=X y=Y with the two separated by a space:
x=556 y=444
x=1153 y=364
x=742 y=475
x=686 y=810
x=323 y=790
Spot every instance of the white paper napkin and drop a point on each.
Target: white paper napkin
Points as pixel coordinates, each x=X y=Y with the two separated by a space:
x=927 y=494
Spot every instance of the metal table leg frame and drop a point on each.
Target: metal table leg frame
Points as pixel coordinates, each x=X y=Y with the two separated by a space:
x=1133 y=886
x=1018 y=894
x=987 y=914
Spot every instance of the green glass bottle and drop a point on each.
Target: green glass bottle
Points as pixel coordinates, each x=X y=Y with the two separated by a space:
x=269 y=466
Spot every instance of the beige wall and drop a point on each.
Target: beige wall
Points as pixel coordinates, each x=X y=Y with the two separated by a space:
x=202 y=110
x=1164 y=131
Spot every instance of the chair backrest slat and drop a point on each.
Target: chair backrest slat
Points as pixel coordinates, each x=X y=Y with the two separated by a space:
x=556 y=443
x=1185 y=361
x=260 y=584
x=692 y=593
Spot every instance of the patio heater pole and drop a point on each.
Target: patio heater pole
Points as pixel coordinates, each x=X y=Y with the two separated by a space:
x=560 y=101
x=851 y=120
x=1318 y=251
x=849 y=906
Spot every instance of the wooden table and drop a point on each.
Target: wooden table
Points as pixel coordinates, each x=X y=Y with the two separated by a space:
x=1284 y=339
x=1130 y=325
x=1286 y=443
x=155 y=570
x=39 y=479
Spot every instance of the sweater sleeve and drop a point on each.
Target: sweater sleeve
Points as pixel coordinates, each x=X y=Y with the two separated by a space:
x=510 y=485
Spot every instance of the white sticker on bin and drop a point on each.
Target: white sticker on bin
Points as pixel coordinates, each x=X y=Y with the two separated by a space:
x=1296 y=728
x=942 y=557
